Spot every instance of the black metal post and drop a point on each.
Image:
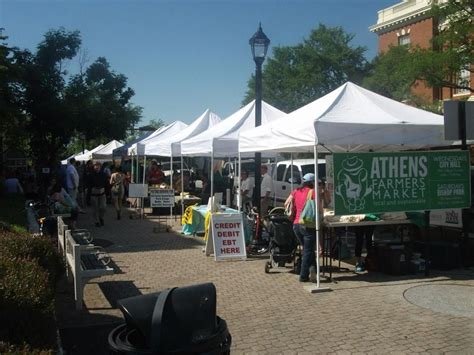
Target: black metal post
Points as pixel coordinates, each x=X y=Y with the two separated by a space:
x=258 y=122
x=464 y=212
x=427 y=253
x=259 y=44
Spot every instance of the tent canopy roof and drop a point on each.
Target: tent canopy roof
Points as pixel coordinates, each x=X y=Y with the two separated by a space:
x=347 y=119
x=88 y=155
x=222 y=139
x=106 y=151
x=172 y=145
x=123 y=150
x=161 y=133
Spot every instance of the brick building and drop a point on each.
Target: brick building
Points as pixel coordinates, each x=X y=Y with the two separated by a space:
x=408 y=22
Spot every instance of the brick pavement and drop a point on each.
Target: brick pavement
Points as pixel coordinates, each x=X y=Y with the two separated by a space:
x=267 y=313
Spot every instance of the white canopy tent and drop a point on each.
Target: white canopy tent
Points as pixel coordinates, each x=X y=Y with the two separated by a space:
x=164 y=132
x=65 y=161
x=123 y=150
x=88 y=155
x=171 y=146
x=222 y=140
x=349 y=118
x=105 y=153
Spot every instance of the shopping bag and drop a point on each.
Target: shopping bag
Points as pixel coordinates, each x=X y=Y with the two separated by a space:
x=308 y=215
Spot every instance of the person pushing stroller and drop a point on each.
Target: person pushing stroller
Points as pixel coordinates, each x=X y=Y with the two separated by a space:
x=307 y=236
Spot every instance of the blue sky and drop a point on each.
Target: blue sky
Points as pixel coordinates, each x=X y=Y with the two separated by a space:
x=183 y=56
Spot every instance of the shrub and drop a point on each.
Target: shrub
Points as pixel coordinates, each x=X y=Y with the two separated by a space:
x=29 y=269
x=12 y=210
x=6 y=348
x=14 y=245
x=26 y=303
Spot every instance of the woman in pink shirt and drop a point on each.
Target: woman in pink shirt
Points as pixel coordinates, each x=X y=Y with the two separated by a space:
x=305 y=235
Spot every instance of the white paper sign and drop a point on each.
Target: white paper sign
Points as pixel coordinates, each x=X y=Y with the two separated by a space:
x=138 y=190
x=161 y=197
x=447 y=218
x=228 y=236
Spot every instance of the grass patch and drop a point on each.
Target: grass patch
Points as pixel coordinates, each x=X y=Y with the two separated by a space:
x=12 y=211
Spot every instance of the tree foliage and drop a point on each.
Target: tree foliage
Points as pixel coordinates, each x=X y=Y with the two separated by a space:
x=101 y=101
x=452 y=51
x=297 y=75
x=54 y=109
x=453 y=46
x=393 y=74
x=12 y=117
x=50 y=126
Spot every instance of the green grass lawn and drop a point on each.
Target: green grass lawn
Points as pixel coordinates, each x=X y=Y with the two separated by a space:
x=12 y=211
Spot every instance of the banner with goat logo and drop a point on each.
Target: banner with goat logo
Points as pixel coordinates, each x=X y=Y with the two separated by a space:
x=401 y=182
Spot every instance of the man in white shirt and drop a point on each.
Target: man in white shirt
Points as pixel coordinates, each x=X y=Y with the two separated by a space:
x=72 y=179
x=265 y=191
x=246 y=189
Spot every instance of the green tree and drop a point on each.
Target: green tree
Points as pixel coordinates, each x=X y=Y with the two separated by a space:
x=100 y=99
x=156 y=123
x=50 y=126
x=12 y=117
x=297 y=75
x=136 y=133
x=452 y=48
x=393 y=74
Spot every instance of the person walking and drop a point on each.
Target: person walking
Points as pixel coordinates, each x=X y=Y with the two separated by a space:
x=98 y=184
x=117 y=189
x=306 y=236
x=88 y=172
x=72 y=179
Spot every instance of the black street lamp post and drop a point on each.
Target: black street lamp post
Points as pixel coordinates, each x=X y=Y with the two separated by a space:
x=259 y=44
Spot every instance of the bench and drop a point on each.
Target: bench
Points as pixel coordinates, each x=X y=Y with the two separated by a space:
x=80 y=236
x=84 y=261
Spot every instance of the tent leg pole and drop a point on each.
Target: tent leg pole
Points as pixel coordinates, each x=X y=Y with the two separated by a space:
x=182 y=185
x=313 y=289
x=239 y=195
x=171 y=182
x=212 y=174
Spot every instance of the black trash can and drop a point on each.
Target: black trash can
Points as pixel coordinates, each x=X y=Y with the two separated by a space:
x=174 y=321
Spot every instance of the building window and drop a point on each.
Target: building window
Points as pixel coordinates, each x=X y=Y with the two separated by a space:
x=404 y=40
x=464 y=79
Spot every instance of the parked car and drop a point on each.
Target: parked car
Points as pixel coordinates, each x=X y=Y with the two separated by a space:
x=282 y=178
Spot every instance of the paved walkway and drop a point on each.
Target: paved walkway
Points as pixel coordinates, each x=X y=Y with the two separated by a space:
x=267 y=313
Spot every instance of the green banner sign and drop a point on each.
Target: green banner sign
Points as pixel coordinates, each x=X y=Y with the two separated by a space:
x=405 y=181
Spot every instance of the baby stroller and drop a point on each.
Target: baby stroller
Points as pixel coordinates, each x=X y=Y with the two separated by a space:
x=283 y=244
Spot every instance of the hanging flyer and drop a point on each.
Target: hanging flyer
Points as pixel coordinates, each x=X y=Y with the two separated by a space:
x=228 y=236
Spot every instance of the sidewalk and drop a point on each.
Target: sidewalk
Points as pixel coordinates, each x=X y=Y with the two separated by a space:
x=271 y=313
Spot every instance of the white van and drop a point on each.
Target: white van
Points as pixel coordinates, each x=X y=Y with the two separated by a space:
x=281 y=174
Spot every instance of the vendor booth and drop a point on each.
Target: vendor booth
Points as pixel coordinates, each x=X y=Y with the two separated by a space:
x=167 y=143
x=222 y=139
x=171 y=147
x=349 y=119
